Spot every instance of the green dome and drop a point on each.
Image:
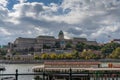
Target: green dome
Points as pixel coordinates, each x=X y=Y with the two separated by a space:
x=61 y=32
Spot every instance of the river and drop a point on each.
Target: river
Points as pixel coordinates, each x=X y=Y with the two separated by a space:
x=22 y=68
x=25 y=68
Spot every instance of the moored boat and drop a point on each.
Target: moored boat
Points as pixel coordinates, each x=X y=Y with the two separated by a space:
x=2 y=68
x=8 y=78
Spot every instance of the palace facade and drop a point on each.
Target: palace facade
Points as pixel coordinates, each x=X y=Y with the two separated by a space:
x=50 y=43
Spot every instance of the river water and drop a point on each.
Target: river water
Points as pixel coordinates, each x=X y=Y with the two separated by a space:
x=24 y=68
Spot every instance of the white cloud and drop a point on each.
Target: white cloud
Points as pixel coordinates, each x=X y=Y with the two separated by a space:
x=83 y=18
x=4 y=31
x=22 y=1
x=3 y=3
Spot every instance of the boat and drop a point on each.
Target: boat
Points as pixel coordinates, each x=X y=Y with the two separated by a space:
x=2 y=68
x=8 y=78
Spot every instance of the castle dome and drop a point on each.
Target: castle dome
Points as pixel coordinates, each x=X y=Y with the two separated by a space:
x=61 y=35
x=61 y=32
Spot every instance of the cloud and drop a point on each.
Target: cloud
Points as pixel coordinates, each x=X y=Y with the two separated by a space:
x=94 y=19
x=3 y=3
x=22 y=1
x=3 y=31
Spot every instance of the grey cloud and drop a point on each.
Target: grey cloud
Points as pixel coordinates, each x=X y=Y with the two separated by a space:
x=74 y=31
x=90 y=16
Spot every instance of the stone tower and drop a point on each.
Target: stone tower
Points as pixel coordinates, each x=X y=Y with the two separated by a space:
x=61 y=35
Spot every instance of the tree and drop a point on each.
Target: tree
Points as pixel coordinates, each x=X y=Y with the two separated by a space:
x=45 y=56
x=68 y=45
x=53 y=56
x=89 y=54
x=75 y=54
x=109 y=48
x=93 y=47
x=68 y=56
x=57 y=44
x=46 y=46
x=61 y=56
x=115 y=54
x=80 y=46
x=36 y=57
x=3 y=52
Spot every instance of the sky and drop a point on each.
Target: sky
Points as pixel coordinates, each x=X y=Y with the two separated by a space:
x=92 y=19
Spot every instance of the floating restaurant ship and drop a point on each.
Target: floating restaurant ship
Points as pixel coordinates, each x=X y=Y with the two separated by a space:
x=75 y=66
x=66 y=65
x=76 y=70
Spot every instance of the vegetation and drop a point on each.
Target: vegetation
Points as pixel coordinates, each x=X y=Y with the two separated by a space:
x=74 y=55
x=109 y=47
x=90 y=55
x=115 y=54
x=80 y=51
x=83 y=51
x=3 y=52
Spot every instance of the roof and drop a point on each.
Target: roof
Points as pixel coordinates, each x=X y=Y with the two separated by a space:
x=71 y=63
x=61 y=32
x=41 y=36
x=21 y=38
x=92 y=42
x=116 y=39
x=78 y=38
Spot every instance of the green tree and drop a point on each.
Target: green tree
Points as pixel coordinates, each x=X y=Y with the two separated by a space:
x=109 y=48
x=80 y=46
x=89 y=54
x=57 y=44
x=76 y=54
x=93 y=47
x=115 y=54
x=3 y=52
x=68 y=45
x=46 y=46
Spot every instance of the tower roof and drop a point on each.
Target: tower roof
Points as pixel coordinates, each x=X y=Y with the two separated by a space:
x=61 y=32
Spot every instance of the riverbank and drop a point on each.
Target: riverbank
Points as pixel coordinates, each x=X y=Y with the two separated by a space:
x=42 y=61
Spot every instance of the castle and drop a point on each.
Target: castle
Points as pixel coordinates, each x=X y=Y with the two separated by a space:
x=46 y=42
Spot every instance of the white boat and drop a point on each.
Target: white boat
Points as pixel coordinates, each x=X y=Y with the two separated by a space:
x=8 y=78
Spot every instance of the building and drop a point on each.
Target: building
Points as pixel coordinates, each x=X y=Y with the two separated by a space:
x=46 y=43
x=116 y=41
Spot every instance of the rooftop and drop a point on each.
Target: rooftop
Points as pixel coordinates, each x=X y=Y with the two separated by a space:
x=80 y=38
x=41 y=36
x=71 y=63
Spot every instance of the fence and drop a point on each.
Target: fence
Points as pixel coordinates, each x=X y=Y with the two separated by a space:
x=70 y=75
